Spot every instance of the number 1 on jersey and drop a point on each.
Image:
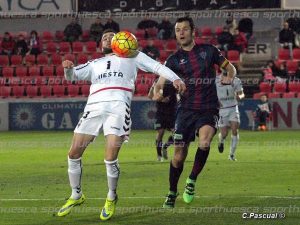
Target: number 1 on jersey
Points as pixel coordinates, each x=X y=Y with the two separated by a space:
x=108 y=65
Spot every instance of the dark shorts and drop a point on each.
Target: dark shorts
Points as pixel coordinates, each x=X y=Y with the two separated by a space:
x=164 y=121
x=188 y=123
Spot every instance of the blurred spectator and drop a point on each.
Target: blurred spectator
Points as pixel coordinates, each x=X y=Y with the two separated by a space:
x=96 y=30
x=294 y=24
x=297 y=73
x=147 y=24
x=34 y=43
x=225 y=39
x=263 y=111
x=165 y=29
x=269 y=71
x=7 y=44
x=110 y=24
x=72 y=31
x=240 y=41
x=282 y=73
x=230 y=24
x=21 y=46
x=286 y=38
x=151 y=50
x=246 y=26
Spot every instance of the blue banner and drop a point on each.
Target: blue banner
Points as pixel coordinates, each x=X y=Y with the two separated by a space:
x=65 y=115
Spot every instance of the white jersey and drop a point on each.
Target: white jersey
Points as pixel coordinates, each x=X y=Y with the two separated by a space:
x=227 y=93
x=113 y=78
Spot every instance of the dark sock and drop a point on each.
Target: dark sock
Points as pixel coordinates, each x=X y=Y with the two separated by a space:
x=199 y=162
x=158 y=147
x=174 y=176
x=169 y=142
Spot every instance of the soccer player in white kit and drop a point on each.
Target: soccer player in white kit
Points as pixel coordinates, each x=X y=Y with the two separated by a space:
x=107 y=108
x=229 y=113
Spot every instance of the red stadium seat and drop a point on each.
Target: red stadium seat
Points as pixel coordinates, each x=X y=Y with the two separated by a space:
x=206 y=32
x=77 y=47
x=171 y=45
x=140 y=34
x=70 y=57
x=29 y=60
x=32 y=91
x=4 y=60
x=82 y=58
x=274 y=95
x=291 y=66
x=218 y=30
x=21 y=71
x=5 y=92
x=73 y=90
x=59 y=71
x=34 y=71
x=64 y=47
x=42 y=59
x=233 y=56
x=85 y=35
x=91 y=47
x=283 y=54
x=58 y=90
x=294 y=87
x=48 y=71
x=152 y=32
x=142 y=89
x=47 y=36
x=7 y=71
x=143 y=43
x=159 y=44
x=18 y=91
x=265 y=87
x=39 y=81
x=296 y=54
x=45 y=91
x=59 y=35
x=280 y=87
x=56 y=59
x=16 y=60
x=85 y=90
x=164 y=55
x=51 y=47
x=96 y=55
x=289 y=95
x=258 y=95
x=55 y=80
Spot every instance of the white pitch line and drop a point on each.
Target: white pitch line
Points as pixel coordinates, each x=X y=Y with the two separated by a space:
x=153 y=197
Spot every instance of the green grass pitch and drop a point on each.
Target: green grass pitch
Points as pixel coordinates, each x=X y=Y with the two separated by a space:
x=34 y=182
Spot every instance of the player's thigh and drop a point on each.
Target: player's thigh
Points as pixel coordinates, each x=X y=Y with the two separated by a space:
x=234 y=125
x=79 y=144
x=224 y=131
x=184 y=126
x=112 y=147
x=206 y=134
x=117 y=120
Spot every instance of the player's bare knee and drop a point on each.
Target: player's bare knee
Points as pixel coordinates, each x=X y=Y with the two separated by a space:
x=74 y=154
x=234 y=132
x=204 y=145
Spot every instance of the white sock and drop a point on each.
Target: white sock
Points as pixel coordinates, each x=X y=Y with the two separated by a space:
x=113 y=172
x=234 y=142
x=221 y=139
x=75 y=171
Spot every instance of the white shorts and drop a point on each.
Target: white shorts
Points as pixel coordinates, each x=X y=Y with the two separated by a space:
x=228 y=115
x=112 y=117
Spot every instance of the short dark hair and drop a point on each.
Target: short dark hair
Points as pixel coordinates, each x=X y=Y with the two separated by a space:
x=108 y=31
x=188 y=19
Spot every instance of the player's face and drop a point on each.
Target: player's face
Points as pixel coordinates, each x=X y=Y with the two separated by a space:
x=106 y=40
x=184 y=34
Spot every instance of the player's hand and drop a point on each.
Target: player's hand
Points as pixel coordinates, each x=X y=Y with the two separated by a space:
x=67 y=64
x=179 y=86
x=225 y=80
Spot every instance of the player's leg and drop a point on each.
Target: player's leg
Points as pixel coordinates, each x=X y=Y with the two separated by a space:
x=170 y=126
x=206 y=134
x=159 y=143
x=234 y=139
x=116 y=125
x=85 y=132
x=222 y=136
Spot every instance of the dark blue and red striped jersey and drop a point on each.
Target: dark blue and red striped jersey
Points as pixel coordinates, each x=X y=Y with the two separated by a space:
x=197 y=69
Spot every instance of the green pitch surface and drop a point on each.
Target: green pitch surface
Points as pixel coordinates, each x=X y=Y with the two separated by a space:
x=34 y=182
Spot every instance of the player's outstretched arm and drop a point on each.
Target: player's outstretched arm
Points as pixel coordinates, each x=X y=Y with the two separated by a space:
x=68 y=69
x=231 y=73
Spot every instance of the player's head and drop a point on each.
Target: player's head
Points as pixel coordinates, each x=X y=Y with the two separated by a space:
x=106 y=40
x=185 y=31
x=264 y=98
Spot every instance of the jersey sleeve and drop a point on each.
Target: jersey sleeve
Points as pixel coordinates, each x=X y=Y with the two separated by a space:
x=238 y=85
x=83 y=72
x=218 y=58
